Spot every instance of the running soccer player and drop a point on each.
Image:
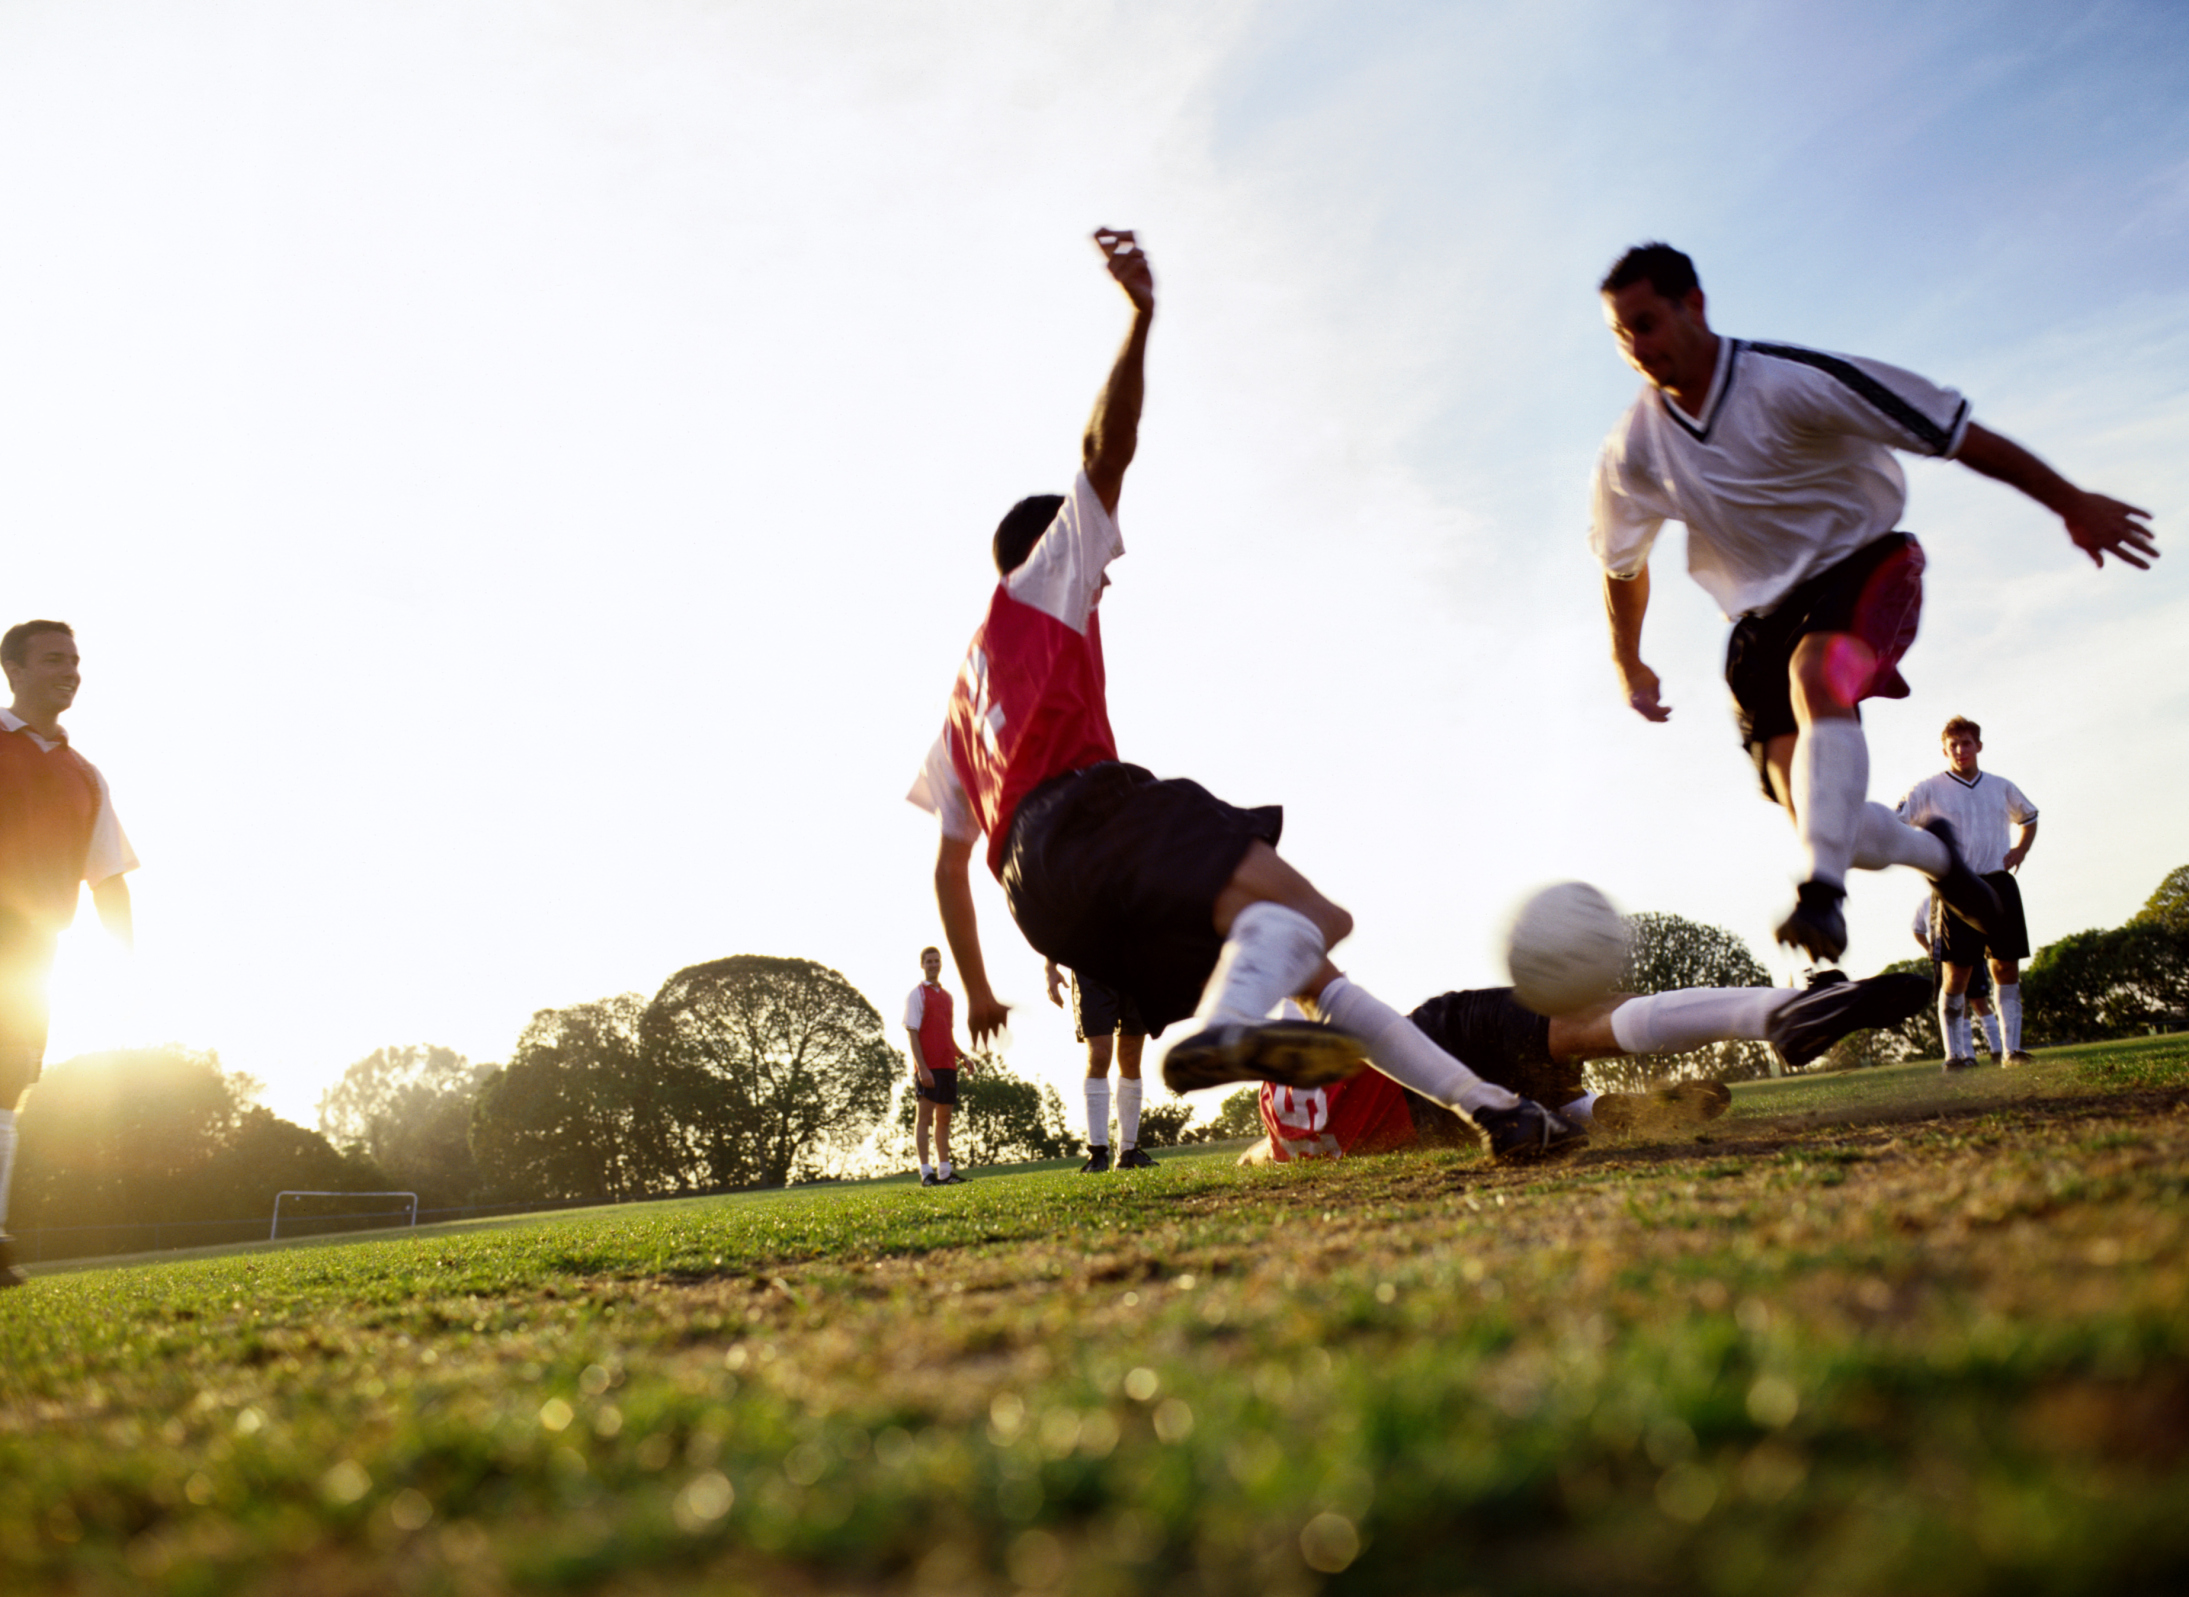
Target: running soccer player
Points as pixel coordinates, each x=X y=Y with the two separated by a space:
x=1108 y=1023
x=1542 y=1057
x=1157 y=889
x=1779 y=460
x=1996 y=825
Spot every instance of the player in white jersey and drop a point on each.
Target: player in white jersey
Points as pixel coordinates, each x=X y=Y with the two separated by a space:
x=1780 y=463
x=1996 y=824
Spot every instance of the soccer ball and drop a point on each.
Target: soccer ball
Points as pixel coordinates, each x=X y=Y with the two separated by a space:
x=1567 y=949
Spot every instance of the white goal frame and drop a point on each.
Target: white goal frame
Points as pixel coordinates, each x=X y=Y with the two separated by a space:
x=276 y=1234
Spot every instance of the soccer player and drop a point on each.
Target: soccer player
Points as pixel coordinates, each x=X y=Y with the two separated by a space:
x=1099 y=1015
x=1157 y=889
x=57 y=828
x=1779 y=460
x=1996 y=824
x=935 y=1061
x=1980 y=1013
x=1541 y=1056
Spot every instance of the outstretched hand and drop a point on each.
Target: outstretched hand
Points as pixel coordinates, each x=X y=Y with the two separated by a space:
x=1642 y=691
x=984 y=1017
x=1128 y=263
x=2102 y=526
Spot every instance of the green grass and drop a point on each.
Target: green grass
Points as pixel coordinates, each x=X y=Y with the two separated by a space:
x=1871 y=1333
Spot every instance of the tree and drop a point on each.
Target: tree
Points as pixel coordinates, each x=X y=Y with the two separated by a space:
x=1239 y=1115
x=2169 y=904
x=580 y=1114
x=780 y=1066
x=1666 y=953
x=409 y=1110
x=1001 y=1118
x=1163 y=1125
x=2099 y=984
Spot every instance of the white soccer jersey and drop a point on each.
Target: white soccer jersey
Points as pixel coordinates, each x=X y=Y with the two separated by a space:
x=1981 y=808
x=1789 y=469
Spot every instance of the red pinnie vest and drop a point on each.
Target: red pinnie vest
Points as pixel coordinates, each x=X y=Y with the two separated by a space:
x=936 y=1045
x=1030 y=703
x=49 y=802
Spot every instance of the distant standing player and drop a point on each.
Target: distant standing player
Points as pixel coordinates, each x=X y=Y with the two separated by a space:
x=1107 y=1022
x=1996 y=824
x=1158 y=889
x=929 y=1019
x=57 y=828
x=1779 y=460
x=1984 y=1021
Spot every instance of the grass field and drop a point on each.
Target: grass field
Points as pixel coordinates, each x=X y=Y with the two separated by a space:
x=1883 y=1333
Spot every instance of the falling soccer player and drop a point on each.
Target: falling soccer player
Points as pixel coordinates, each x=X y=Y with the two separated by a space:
x=1779 y=460
x=1157 y=889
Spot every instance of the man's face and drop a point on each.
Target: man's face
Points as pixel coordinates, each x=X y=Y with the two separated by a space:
x=931 y=965
x=1667 y=341
x=1961 y=751
x=48 y=677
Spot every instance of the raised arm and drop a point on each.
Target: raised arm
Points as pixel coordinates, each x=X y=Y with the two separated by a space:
x=961 y=930
x=2025 y=835
x=1626 y=601
x=1113 y=433
x=2099 y=526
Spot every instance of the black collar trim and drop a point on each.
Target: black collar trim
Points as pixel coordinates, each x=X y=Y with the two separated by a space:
x=1714 y=407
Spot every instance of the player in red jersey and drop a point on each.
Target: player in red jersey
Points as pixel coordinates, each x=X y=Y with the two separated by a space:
x=57 y=828
x=1157 y=889
x=935 y=1055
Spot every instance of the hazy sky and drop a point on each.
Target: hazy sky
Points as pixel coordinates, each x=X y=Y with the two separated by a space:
x=521 y=472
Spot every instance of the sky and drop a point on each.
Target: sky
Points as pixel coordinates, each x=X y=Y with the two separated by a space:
x=521 y=470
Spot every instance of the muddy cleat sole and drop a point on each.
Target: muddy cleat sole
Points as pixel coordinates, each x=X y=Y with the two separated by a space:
x=1964 y=892
x=1292 y=1053
x=1134 y=1159
x=1098 y=1160
x=1805 y=1028
x=2016 y=1059
x=1684 y=1103
x=1818 y=925
x=1527 y=1133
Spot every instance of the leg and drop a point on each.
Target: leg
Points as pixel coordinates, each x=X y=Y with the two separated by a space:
x=923 y=1117
x=1953 y=1015
x=1098 y=1104
x=942 y=1140
x=1128 y=1101
x=2006 y=976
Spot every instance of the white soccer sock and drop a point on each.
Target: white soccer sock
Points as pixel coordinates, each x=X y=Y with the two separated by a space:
x=1883 y=838
x=1831 y=779
x=1990 y=1023
x=1953 y=1025
x=1098 y=1111
x=1672 y=1023
x=942 y=1169
x=2009 y=1001
x=1398 y=1048
x=7 y=1161
x=1269 y=955
x=1128 y=1111
x=1581 y=1109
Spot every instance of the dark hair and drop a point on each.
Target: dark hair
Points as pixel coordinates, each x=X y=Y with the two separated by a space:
x=1021 y=528
x=930 y=949
x=1960 y=724
x=1660 y=265
x=15 y=645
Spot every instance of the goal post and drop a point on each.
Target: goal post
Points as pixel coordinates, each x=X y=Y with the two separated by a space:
x=275 y=1236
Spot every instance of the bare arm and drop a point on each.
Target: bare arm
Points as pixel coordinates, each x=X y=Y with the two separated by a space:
x=1054 y=980
x=1113 y=433
x=2099 y=526
x=961 y=929
x=2024 y=835
x=1626 y=601
x=920 y=1073
x=111 y=899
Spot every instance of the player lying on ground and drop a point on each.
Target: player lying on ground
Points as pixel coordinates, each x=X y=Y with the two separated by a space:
x=1157 y=889
x=1542 y=1057
x=1780 y=462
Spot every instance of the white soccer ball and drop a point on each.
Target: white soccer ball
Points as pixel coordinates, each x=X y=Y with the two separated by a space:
x=1567 y=949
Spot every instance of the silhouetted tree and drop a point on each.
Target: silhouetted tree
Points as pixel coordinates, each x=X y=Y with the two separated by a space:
x=2169 y=904
x=409 y=1110
x=1001 y=1118
x=1669 y=952
x=780 y=1068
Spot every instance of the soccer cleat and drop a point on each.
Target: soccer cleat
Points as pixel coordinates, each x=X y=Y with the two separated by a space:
x=1684 y=1103
x=951 y=1180
x=1134 y=1159
x=1098 y=1159
x=2016 y=1058
x=1964 y=892
x=9 y=1274
x=928 y=1178
x=1951 y=1066
x=1527 y=1133
x=1817 y=926
x=1292 y=1053
x=1806 y=1027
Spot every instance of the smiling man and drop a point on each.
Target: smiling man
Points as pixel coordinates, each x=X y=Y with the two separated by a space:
x=57 y=828
x=1779 y=461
